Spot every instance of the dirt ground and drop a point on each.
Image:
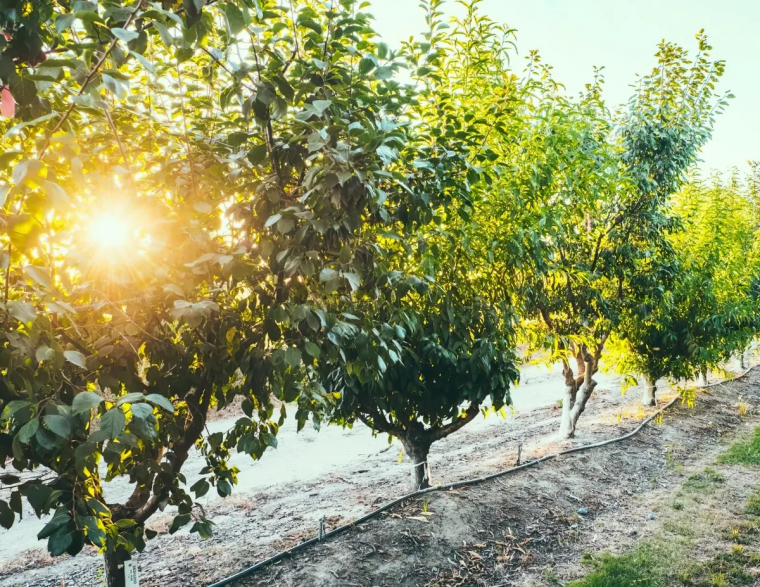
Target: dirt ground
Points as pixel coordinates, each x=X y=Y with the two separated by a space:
x=529 y=528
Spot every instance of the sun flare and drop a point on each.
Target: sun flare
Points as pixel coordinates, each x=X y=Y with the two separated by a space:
x=108 y=231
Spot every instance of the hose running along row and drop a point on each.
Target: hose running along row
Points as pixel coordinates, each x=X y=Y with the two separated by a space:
x=341 y=529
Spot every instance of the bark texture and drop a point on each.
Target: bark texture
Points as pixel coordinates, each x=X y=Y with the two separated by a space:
x=418 y=449
x=114 y=562
x=578 y=389
x=650 y=389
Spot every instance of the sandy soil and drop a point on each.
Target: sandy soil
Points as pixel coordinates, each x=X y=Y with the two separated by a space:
x=509 y=527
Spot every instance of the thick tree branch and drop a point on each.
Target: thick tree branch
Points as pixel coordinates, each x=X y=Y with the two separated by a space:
x=454 y=425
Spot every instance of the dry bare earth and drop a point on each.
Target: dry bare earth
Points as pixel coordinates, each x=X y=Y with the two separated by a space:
x=505 y=532
x=525 y=528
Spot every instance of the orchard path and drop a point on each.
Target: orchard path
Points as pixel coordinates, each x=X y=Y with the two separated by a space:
x=341 y=475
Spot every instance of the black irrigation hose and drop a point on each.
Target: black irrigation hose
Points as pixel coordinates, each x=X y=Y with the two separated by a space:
x=278 y=557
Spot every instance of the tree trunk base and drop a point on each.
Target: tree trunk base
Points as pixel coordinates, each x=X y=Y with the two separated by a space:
x=418 y=451
x=114 y=566
x=649 y=397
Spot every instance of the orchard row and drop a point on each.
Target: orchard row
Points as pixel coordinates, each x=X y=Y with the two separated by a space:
x=213 y=204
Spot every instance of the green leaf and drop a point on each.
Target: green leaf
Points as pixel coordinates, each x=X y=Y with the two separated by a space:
x=40 y=275
x=166 y=36
x=64 y=22
x=95 y=530
x=160 y=401
x=58 y=425
x=200 y=488
x=144 y=62
x=56 y=195
x=85 y=401
x=141 y=411
x=112 y=423
x=21 y=311
x=223 y=488
x=293 y=357
x=384 y=73
x=44 y=353
x=125 y=524
x=366 y=65
x=27 y=170
x=12 y=407
x=6 y=515
x=258 y=154
x=76 y=358
x=178 y=522
x=28 y=430
x=60 y=541
x=321 y=105
x=312 y=349
x=327 y=274
x=124 y=35
x=130 y=398
x=235 y=19
x=58 y=521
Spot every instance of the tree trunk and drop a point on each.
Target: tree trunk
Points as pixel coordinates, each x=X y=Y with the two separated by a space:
x=417 y=448
x=649 y=399
x=577 y=393
x=114 y=563
x=566 y=427
x=702 y=382
x=742 y=363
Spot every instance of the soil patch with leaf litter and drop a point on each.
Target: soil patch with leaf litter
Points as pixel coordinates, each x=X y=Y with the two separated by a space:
x=546 y=525
x=539 y=526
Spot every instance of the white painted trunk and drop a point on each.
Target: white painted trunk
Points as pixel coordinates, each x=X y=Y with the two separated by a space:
x=567 y=426
x=418 y=455
x=650 y=389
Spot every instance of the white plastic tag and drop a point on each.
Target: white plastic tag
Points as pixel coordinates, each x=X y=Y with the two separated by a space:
x=130 y=574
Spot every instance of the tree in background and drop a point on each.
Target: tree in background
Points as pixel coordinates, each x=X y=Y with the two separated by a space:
x=423 y=347
x=580 y=216
x=707 y=310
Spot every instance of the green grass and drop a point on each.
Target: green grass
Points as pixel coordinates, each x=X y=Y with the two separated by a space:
x=634 y=570
x=753 y=504
x=670 y=562
x=644 y=568
x=746 y=532
x=706 y=480
x=744 y=452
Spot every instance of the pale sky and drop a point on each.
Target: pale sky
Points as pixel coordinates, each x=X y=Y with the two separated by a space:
x=622 y=36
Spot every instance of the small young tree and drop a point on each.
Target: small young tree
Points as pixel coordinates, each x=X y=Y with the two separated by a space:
x=449 y=353
x=580 y=216
x=418 y=348
x=709 y=310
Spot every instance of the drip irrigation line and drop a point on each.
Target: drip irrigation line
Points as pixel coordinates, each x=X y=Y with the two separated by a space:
x=341 y=529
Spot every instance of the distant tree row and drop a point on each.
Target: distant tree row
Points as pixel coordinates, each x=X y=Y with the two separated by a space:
x=238 y=202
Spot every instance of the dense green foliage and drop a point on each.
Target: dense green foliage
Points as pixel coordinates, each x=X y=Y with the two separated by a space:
x=206 y=203
x=706 y=307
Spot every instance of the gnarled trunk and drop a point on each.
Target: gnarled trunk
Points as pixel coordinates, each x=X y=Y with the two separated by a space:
x=578 y=390
x=417 y=447
x=648 y=398
x=567 y=426
x=114 y=564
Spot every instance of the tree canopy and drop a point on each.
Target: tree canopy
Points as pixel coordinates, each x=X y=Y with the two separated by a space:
x=211 y=204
